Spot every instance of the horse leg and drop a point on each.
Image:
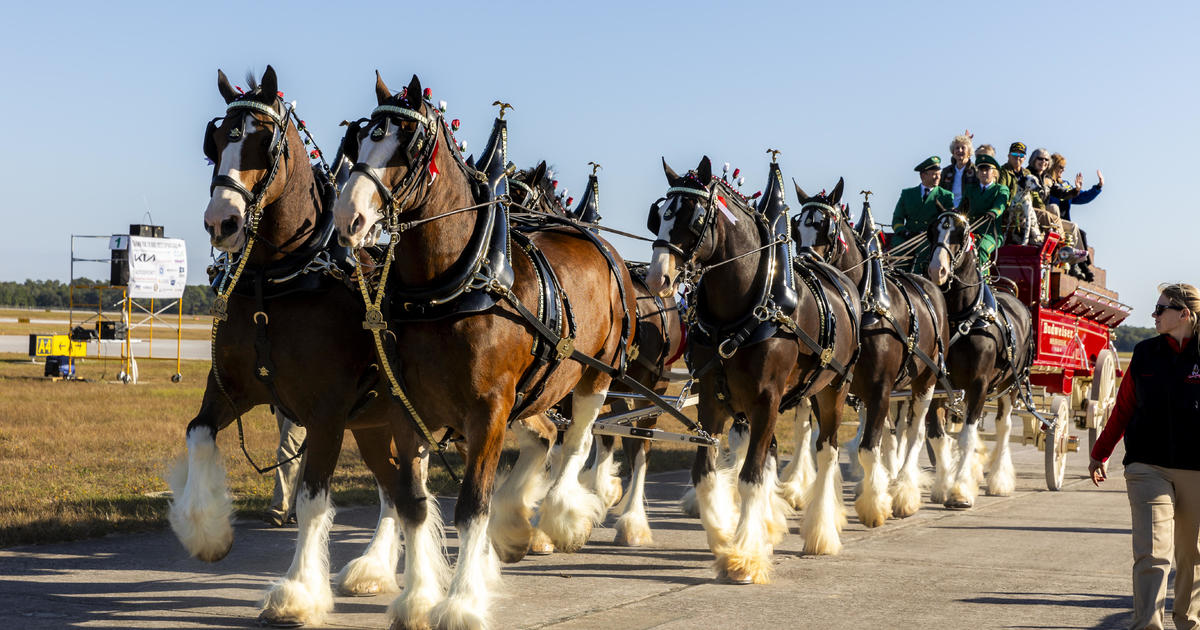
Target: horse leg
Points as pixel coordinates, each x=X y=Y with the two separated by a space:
x=477 y=571
x=726 y=463
x=201 y=506
x=426 y=570
x=525 y=485
x=965 y=484
x=936 y=421
x=1001 y=478
x=855 y=472
x=710 y=488
x=825 y=516
x=874 y=503
x=906 y=492
x=303 y=595
x=747 y=558
x=800 y=472
x=600 y=478
x=569 y=512
x=633 y=530
x=375 y=570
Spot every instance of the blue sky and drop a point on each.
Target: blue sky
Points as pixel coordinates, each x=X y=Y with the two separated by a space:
x=105 y=103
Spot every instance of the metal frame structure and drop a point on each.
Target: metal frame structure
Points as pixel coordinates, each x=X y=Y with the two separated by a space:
x=148 y=309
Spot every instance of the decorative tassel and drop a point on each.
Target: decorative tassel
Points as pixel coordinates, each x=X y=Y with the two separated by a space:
x=279 y=94
x=462 y=146
x=314 y=154
x=756 y=195
x=442 y=106
x=740 y=181
x=554 y=183
x=427 y=93
x=736 y=172
x=570 y=200
x=725 y=168
x=454 y=124
x=301 y=125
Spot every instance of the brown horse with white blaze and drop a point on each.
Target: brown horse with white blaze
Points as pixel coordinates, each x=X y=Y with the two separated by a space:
x=287 y=312
x=745 y=348
x=476 y=369
x=904 y=332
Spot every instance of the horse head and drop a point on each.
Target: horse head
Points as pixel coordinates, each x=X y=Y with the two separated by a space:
x=249 y=148
x=820 y=228
x=534 y=189
x=681 y=220
x=950 y=241
x=394 y=152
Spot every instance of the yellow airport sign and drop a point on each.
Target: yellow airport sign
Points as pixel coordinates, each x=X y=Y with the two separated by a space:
x=57 y=345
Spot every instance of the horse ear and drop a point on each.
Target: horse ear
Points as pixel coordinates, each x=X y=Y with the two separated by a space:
x=382 y=93
x=414 y=94
x=836 y=195
x=226 y=90
x=672 y=176
x=270 y=85
x=800 y=194
x=704 y=170
x=538 y=174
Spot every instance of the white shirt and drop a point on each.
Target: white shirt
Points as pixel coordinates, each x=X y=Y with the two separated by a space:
x=956 y=188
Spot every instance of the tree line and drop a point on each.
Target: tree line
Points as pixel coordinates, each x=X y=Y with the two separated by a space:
x=197 y=299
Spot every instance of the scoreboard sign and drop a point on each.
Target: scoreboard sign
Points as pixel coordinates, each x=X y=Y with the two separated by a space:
x=157 y=267
x=56 y=346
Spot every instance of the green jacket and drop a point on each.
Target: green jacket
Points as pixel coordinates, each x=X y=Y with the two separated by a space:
x=991 y=201
x=913 y=215
x=1008 y=178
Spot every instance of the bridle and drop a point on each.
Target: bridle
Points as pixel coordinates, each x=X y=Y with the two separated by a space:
x=700 y=226
x=831 y=219
x=946 y=224
x=419 y=155
x=278 y=149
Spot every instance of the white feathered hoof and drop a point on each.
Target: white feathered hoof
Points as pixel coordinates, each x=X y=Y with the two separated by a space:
x=794 y=493
x=365 y=576
x=511 y=535
x=610 y=490
x=290 y=603
x=873 y=509
x=688 y=504
x=906 y=498
x=568 y=514
x=540 y=544
x=459 y=613
x=633 y=531
x=200 y=512
x=1002 y=480
x=410 y=612
x=743 y=568
x=961 y=496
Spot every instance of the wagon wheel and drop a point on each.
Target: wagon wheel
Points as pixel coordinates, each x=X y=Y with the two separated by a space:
x=1103 y=394
x=1056 y=441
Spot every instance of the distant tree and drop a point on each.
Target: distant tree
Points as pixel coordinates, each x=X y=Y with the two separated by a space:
x=197 y=299
x=1129 y=336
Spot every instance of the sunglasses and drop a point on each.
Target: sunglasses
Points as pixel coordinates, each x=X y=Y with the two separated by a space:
x=1020 y=155
x=1159 y=309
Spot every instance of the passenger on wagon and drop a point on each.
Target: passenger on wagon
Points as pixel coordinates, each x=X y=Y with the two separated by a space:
x=987 y=200
x=919 y=206
x=1063 y=195
x=960 y=174
x=1014 y=168
x=985 y=149
x=1039 y=167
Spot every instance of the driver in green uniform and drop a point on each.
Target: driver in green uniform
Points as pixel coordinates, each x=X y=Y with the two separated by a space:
x=987 y=200
x=918 y=207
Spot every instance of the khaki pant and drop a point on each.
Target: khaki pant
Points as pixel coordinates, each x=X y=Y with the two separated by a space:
x=291 y=436
x=1165 y=504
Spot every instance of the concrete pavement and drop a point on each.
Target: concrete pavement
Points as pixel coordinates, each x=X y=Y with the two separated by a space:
x=1037 y=559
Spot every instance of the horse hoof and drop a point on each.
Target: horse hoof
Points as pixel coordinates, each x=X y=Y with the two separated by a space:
x=723 y=578
x=958 y=505
x=279 y=622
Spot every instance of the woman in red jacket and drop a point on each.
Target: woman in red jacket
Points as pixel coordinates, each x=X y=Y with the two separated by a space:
x=1158 y=413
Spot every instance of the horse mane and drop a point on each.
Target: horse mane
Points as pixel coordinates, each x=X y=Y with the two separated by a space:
x=724 y=186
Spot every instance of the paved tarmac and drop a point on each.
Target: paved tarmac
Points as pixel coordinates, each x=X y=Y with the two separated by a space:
x=188 y=348
x=1037 y=559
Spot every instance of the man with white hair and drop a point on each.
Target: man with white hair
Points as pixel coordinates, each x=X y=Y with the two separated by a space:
x=959 y=175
